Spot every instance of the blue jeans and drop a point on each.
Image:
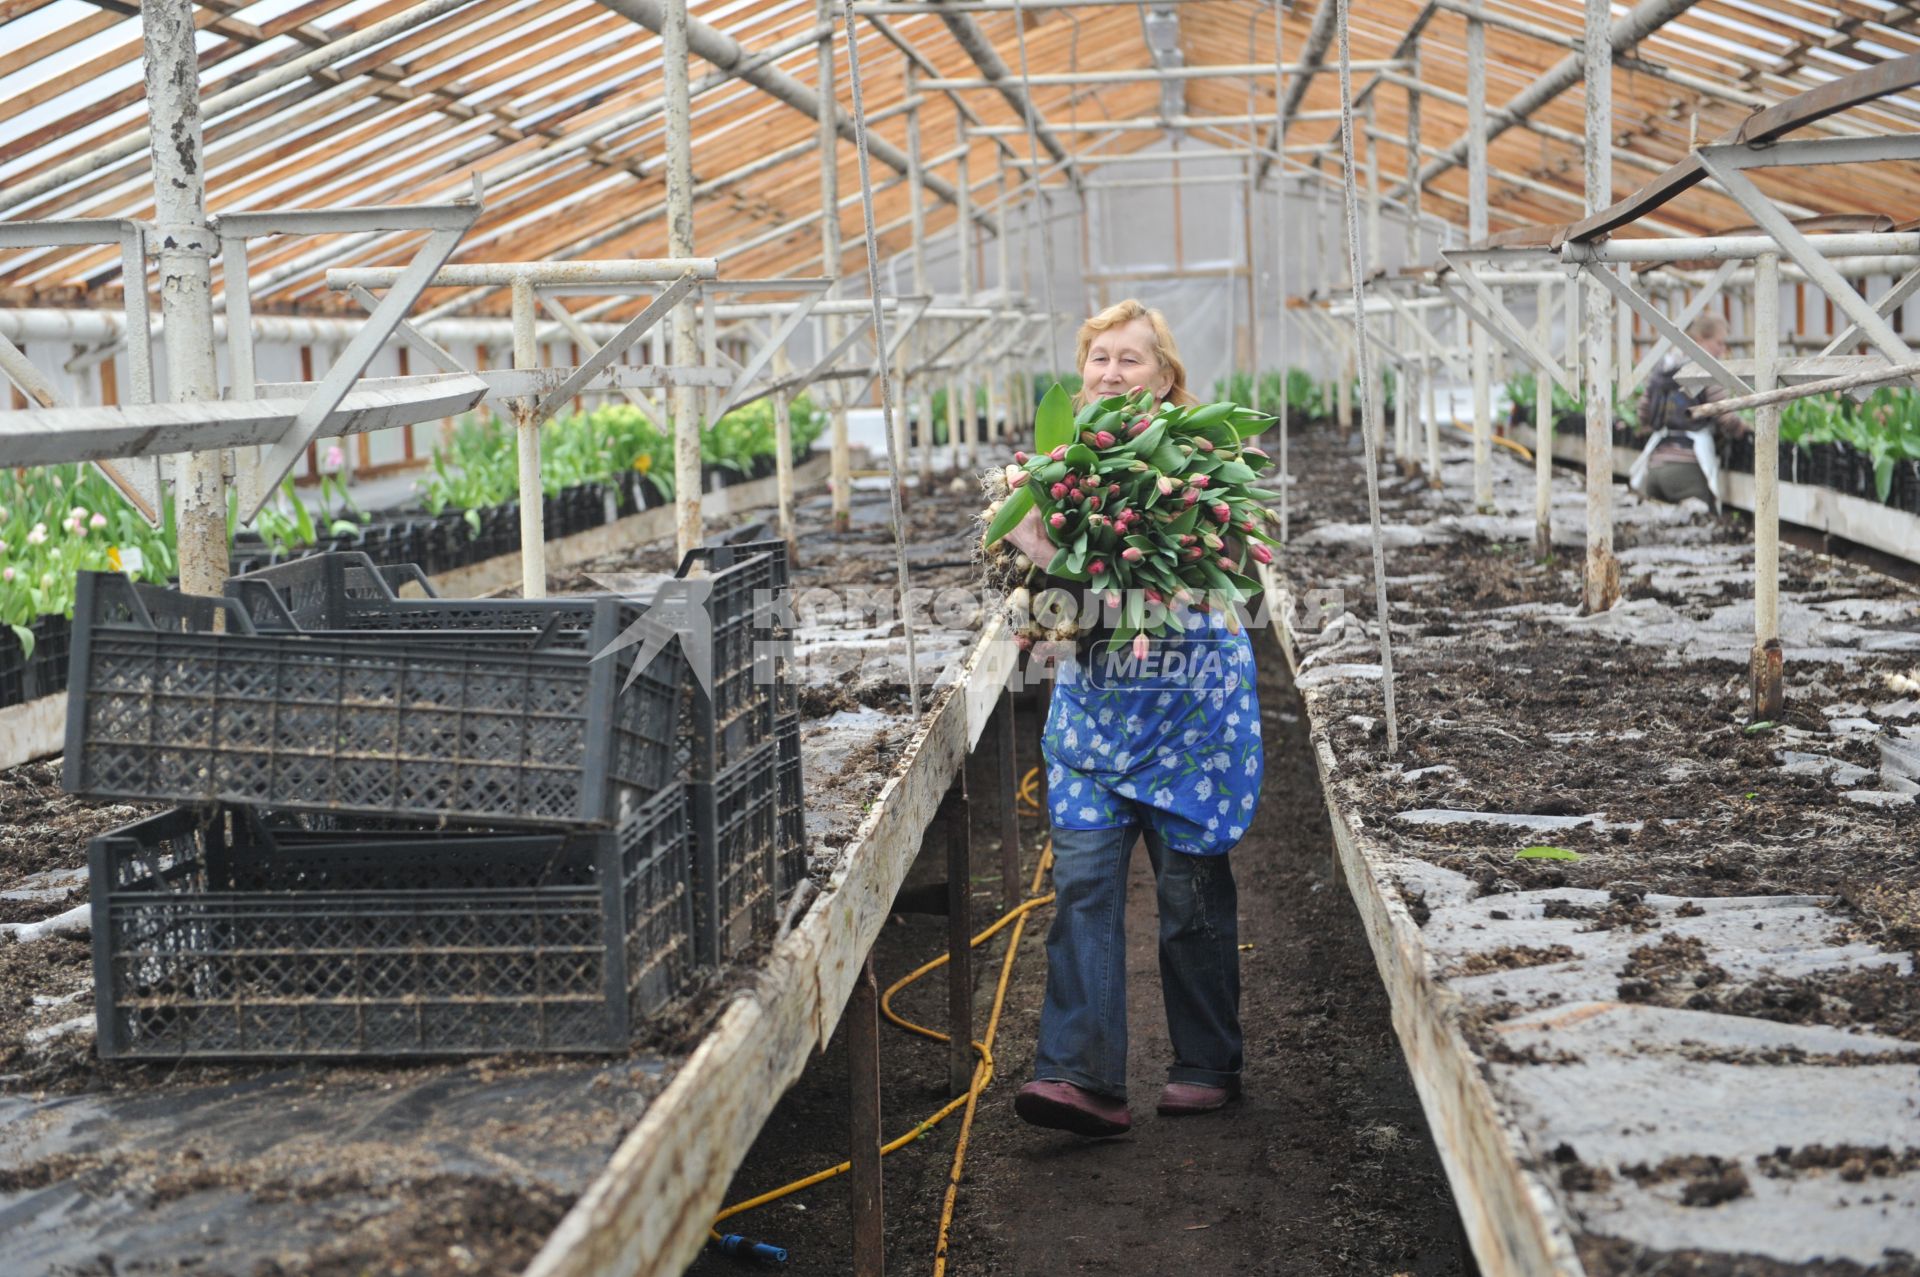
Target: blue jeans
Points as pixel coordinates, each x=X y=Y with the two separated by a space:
x=1083 y=1022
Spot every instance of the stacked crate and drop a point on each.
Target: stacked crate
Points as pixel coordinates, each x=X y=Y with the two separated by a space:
x=416 y=825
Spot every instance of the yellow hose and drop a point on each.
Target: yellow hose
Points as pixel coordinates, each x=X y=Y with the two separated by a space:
x=1525 y=453
x=982 y=1072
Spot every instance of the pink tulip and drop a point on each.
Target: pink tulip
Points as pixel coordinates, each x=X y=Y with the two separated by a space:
x=1200 y=481
x=1223 y=513
x=1058 y=491
x=1254 y=452
x=1060 y=453
x=1102 y=439
x=1261 y=552
x=1138 y=428
x=1193 y=495
x=1094 y=501
x=1165 y=485
x=1139 y=647
x=1228 y=564
x=1017 y=478
x=1058 y=519
x=1203 y=443
x=1020 y=458
x=1132 y=554
x=1154 y=596
x=1098 y=567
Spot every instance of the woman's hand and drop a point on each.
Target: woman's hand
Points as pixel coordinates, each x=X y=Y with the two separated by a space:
x=1029 y=536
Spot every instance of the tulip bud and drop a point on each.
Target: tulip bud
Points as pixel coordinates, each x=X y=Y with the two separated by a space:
x=1200 y=481
x=1087 y=437
x=1139 y=647
x=1154 y=596
x=1098 y=567
x=1138 y=428
x=1260 y=552
x=1203 y=443
x=1058 y=519
x=1060 y=453
x=1187 y=538
x=1195 y=552
x=1193 y=495
x=1094 y=501
x=1165 y=485
x=1090 y=482
x=1211 y=541
x=1176 y=481
x=1252 y=451
x=1113 y=598
x=1102 y=439
x=1137 y=467
x=1058 y=491
x=1113 y=489
x=1223 y=513
x=1132 y=554
x=1016 y=477
x=1074 y=494
x=1228 y=564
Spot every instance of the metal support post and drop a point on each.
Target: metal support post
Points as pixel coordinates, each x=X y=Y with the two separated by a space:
x=955 y=416
x=684 y=401
x=863 y=1125
x=1477 y=233
x=959 y=938
x=184 y=245
x=783 y=455
x=963 y=240
x=1543 y=431
x=1280 y=263
x=1602 y=570
x=830 y=262
x=526 y=430
x=1769 y=692
x=917 y=221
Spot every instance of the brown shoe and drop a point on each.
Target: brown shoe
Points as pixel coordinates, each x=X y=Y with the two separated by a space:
x=1062 y=1106
x=1183 y=1099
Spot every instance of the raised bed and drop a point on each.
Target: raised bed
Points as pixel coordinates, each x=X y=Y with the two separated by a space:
x=392 y=1164
x=1679 y=1034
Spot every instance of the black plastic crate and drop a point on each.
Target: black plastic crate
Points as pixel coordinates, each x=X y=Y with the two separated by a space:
x=456 y=723
x=46 y=669
x=792 y=804
x=744 y=645
x=736 y=850
x=349 y=592
x=221 y=937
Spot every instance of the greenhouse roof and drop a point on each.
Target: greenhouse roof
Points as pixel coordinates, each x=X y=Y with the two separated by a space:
x=556 y=105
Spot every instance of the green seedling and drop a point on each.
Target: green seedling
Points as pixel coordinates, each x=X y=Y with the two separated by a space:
x=1546 y=853
x=1764 y=725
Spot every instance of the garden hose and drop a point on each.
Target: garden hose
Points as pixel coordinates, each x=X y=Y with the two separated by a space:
x=1526 y=454
x=745 y=1249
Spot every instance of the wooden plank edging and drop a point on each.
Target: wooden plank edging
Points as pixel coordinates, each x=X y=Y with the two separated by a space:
x=38 y=729
x=1512 y=1218
x=648 y=1213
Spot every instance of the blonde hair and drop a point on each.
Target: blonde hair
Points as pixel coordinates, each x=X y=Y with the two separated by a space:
x=1125 y=312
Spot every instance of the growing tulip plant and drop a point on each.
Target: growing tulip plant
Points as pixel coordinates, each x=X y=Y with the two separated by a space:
x=1155 y=508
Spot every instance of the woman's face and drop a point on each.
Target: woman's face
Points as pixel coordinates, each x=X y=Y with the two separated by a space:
x=1122 y=358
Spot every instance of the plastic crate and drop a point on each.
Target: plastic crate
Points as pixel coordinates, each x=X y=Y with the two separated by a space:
x=349 y=592
x=223 y=938
x=736 y=856
x=792 y=804
x=515 y=728
x=733 y=715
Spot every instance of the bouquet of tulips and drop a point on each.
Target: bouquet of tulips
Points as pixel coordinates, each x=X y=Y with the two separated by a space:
x=1155 y=508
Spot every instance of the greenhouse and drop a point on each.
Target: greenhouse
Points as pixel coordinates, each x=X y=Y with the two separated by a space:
x=638 y=635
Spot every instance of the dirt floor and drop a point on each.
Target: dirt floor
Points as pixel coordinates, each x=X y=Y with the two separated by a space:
x=1325 y=1167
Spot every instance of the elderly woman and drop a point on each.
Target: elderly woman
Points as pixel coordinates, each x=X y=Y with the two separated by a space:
x=1164 y=749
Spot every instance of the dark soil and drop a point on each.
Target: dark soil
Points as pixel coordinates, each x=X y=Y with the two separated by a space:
x=1729 y=822
x=1324 y=1167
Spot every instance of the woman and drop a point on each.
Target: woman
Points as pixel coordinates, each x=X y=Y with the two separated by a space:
x=1169 y=750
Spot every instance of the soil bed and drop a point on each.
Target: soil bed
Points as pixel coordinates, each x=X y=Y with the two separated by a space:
x=382 y=1167
x=1683 y=938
